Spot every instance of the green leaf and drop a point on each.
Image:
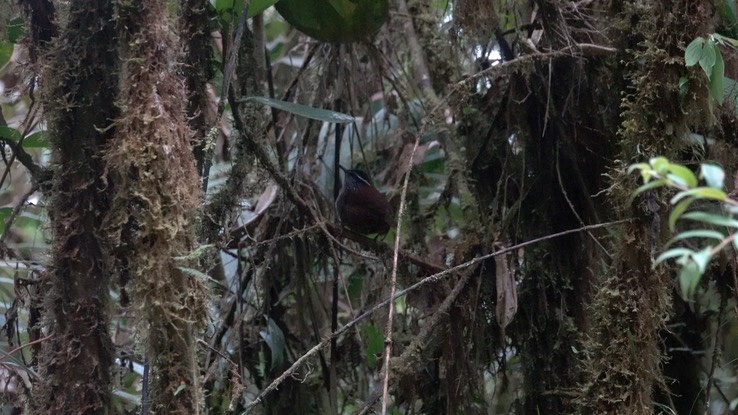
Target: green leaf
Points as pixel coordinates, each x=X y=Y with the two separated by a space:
x=702 y=259
x=335 y=20
x=713 y=174
x=672 y=253
x=16 y=30
x=683 y=86
x=304 y=110
x=9 y=133
x=689 y=278
x=648 y=186
x=694 y=52
x=39 y=139
x=6 y=51
x=717 y=220
x=375 y=345
x=676 y=213
x=685 y=175
x=709 y=53
x=730 y=40
x=701 y=193
x=638 y=166
x=696 y=233
x=716 y=78
x=660 y=164
x=257 y=7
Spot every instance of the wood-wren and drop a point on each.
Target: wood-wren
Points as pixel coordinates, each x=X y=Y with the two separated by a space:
x=360 y=206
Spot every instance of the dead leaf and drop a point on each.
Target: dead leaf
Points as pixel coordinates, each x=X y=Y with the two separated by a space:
x=507 y=292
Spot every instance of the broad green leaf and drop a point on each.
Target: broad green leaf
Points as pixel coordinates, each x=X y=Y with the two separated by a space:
x=9 y=133
x=709 y=53
x=304 y=110
x=713 y=174
x=335 y=20
x=677 y=211
x=717 y=220
x=694 y=52
x=256 y=7
x=701 y=193
x=672 y=253
x=685 y=175
x=345 y=9
x=716 y=79
x=39 y=139
x=696 y=233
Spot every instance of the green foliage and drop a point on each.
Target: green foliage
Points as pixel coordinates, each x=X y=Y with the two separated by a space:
x=727 y=12
x=375 y=344
x=335 y=20
x=304 y=110
x=715 y=230
x=706 y=53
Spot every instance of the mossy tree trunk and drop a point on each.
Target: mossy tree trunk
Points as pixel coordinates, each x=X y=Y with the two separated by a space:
x=124 y=194
x=81 y=87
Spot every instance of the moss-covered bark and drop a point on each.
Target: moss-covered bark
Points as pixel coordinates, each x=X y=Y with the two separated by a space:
x=623 y=372
x=75 y=362
x=151 y=221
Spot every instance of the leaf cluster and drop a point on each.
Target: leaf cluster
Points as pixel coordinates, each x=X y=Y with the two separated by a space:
x=716 y=230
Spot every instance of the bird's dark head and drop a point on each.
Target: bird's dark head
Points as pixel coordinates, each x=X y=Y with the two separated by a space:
x=356 y=178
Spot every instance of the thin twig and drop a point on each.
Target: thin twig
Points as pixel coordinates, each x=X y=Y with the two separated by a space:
x=10 y=352
x=393 y=281
x=571 y=205
x=583 y=49
x=433 y=278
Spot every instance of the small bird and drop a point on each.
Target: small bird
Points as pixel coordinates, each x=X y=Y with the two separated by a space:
x=360 y=206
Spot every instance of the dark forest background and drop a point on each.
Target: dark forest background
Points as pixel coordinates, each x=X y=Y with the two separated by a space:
x=169 y=243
